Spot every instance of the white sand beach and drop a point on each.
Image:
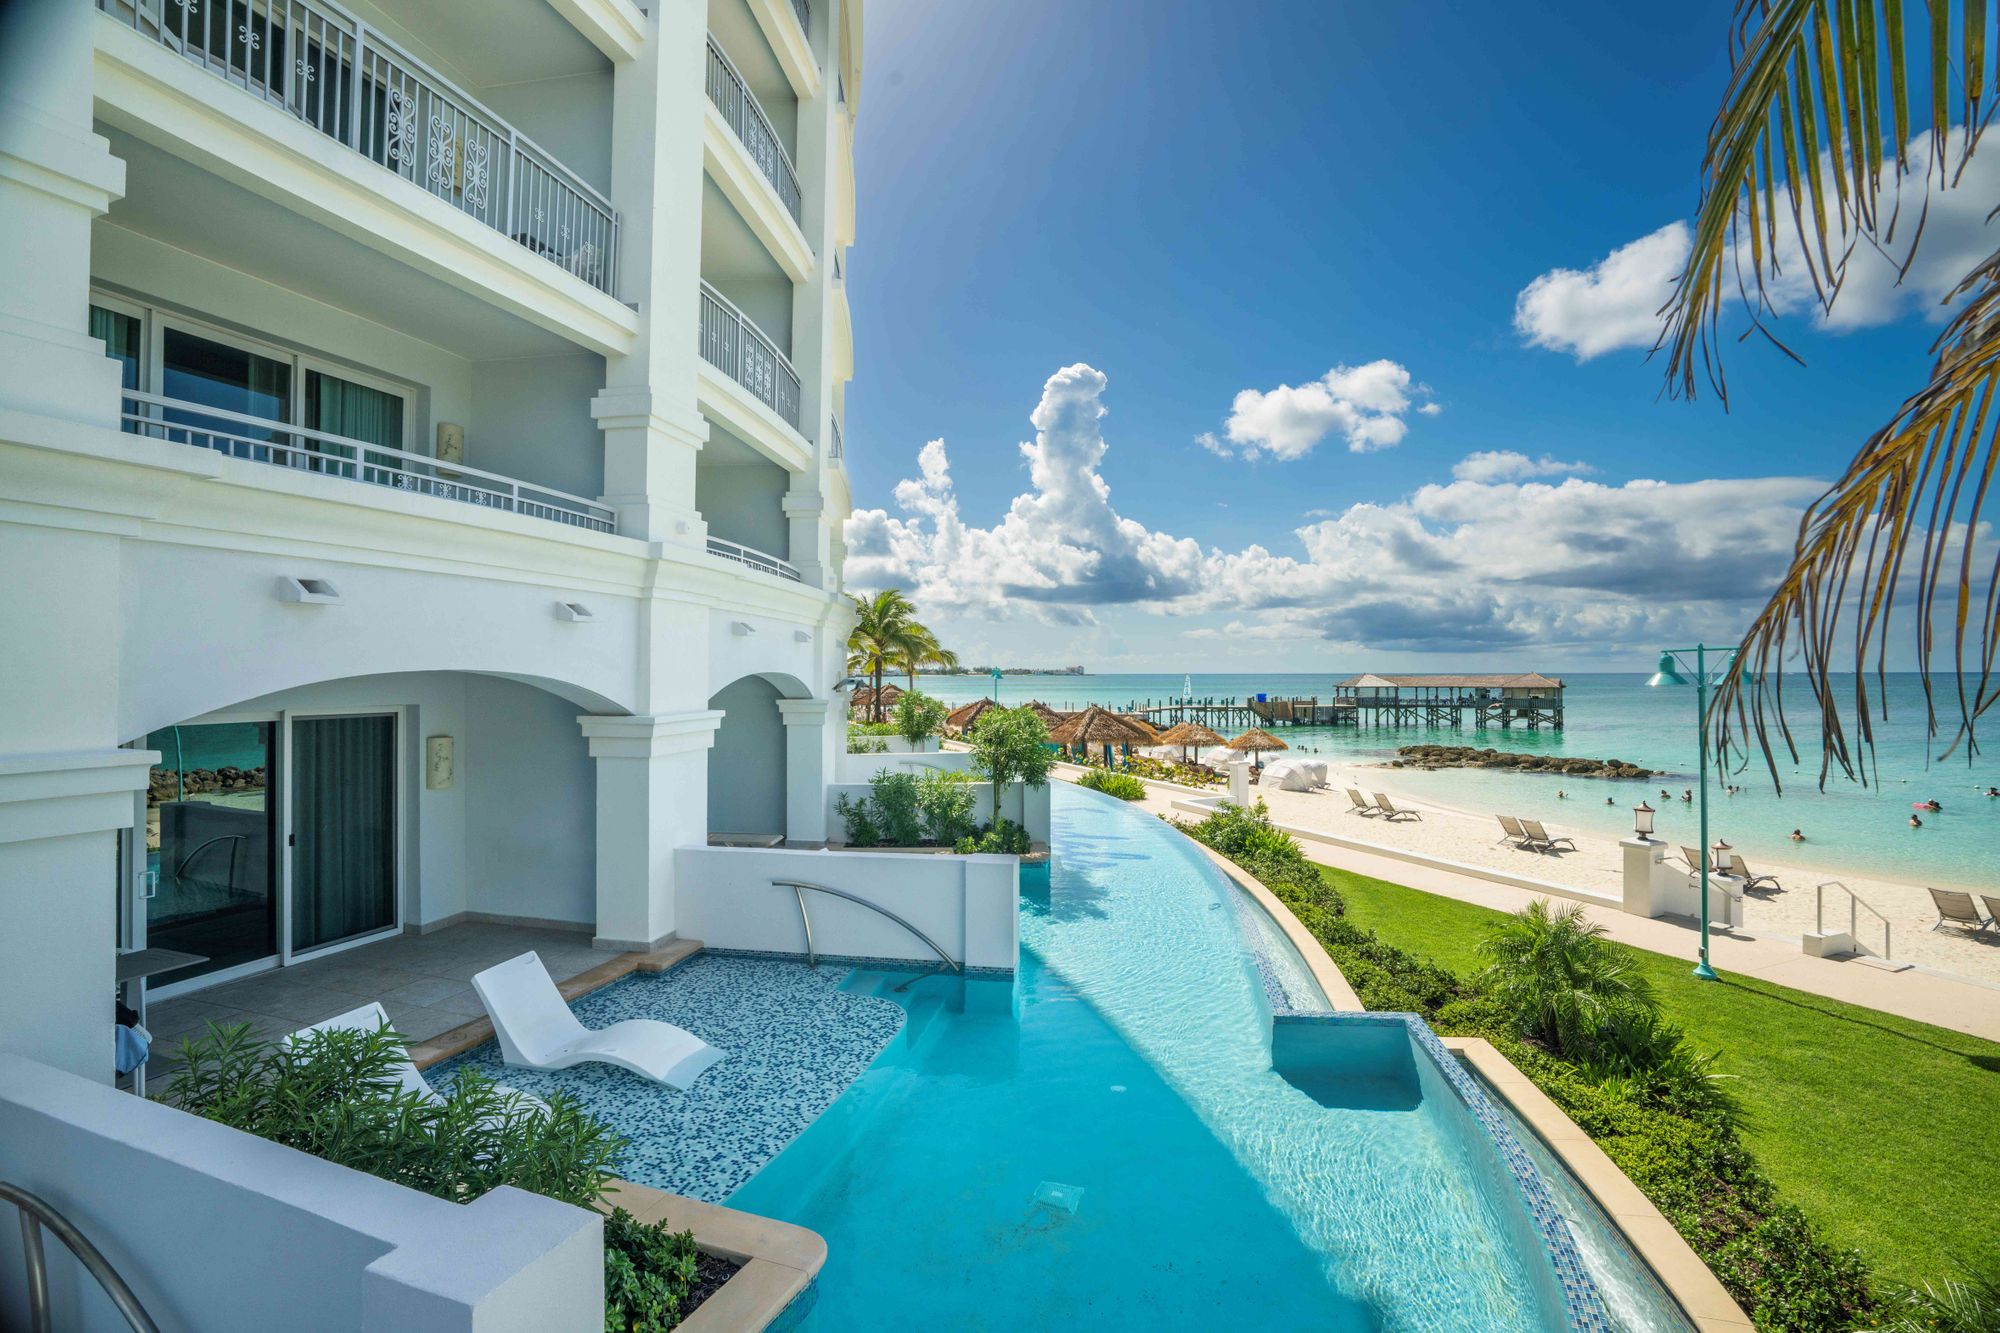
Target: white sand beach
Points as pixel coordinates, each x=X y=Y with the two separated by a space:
x=1472 y=838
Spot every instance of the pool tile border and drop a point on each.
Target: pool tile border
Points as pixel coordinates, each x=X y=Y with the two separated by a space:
x=863 y=962
x=1581 y=1301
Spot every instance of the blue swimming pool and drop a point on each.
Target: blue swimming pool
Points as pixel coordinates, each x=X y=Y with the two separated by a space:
x=1109 y=1140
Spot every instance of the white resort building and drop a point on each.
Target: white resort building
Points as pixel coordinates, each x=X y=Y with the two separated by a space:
x=421 y=493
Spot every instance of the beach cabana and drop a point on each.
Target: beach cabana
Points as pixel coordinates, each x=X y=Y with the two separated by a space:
x=960 y=719
x=1257 y=741
x=1051 y=718
x=1098 y=726
x=1146 y=729
x=1185 y=734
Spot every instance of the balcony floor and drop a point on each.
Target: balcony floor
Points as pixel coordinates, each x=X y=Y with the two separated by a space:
x=423 y=981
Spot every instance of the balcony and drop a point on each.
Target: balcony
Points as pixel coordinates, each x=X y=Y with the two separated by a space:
x=731 y=95
x=322 y=66
x=735 y=346
x=756 y=559
x=261 y=440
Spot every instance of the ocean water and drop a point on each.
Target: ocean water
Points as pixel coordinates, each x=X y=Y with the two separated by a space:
x=1849 y=827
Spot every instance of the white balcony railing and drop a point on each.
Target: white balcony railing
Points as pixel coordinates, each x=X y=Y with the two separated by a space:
x=317 y=62
x=733 y=98
x=734 y=344
x=274 y=442
x=756 y=559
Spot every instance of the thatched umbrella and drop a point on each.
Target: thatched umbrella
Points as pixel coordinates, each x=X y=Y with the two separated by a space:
x=1257 y=740
x=960 y=719
x=1147 y=729
x=1049 y=716
x=1097 y=726
x=1185 y=734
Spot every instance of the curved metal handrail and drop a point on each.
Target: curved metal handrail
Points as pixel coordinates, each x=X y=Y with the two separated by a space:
x=798 y=888
x=188 y=860
x=36 y=1213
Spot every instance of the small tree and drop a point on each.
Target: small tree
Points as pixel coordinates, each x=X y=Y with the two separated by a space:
x=918 y=718
x=1558 y=977
x=1010 y=745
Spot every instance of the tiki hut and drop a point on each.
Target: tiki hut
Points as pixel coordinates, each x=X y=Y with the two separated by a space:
x=1185 y=734
x=1151 y=733
x=1098 y=726
x=1049 y=716
x=960 y=719
x=1256 y=741
x=865 y=704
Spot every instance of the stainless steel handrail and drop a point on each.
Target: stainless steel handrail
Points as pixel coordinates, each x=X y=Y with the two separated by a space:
x=1853 y=919
x=188 y=860
x=37 y=1214
x=798 y=888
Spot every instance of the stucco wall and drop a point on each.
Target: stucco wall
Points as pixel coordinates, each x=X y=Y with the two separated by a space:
x=531 y=798
x=744 y=503
x=746 y=765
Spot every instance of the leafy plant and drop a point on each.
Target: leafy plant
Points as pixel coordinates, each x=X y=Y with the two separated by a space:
x=1967 y=1303
x=337 y=1095
x=1552 y=972
x=944 y=806
x=649 y=1272
x=1122 y=785
x=1004 y=839
x=919 y=717
x=866 y=745
x=859 y=817
x=855 y=729
x=1011 y=745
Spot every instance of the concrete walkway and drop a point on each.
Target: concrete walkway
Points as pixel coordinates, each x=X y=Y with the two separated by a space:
x=1947 y=1002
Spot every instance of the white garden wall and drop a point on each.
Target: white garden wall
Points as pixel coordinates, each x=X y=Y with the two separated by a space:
x=966 y=903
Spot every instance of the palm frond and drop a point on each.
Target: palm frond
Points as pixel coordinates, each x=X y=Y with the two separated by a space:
x=1803 y=118
x=1904 y=520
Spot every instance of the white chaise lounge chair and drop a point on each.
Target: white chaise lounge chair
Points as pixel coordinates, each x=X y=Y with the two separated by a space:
x=538 y=1030
x=371 y=1017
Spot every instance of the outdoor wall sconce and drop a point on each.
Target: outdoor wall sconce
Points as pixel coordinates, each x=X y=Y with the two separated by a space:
x=575 y=612
x=307 y=591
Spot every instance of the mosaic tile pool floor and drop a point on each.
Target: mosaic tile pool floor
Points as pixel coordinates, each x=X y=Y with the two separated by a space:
x=795 y=1041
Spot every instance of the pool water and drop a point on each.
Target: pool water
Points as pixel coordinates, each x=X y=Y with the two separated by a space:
x=1105 y=1142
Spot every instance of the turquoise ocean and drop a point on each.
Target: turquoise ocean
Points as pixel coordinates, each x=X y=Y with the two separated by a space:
x=1848 y=826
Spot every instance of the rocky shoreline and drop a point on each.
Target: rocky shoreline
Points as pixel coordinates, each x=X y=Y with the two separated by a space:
x=1467 y=756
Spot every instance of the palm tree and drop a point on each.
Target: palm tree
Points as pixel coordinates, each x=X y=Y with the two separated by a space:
x=1812 y=84
x=926 y=652
x=1558 y=978
x=885 y=634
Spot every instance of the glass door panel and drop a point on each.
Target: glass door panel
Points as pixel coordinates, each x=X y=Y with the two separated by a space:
x=343 y=828
x=360 y=413
x=214 y=374
x=211 y=839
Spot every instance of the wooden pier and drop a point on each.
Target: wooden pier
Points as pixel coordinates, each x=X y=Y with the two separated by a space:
x=1530 y=700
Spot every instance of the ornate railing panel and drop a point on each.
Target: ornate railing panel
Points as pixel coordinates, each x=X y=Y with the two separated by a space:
x=322 y=65
x=731 y=342
x=738 y=105
x=274 y=442
x=756 y=559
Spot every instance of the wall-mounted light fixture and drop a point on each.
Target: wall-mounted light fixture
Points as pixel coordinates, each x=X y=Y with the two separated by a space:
x=802 y=636
x=742 y=629
x=576 y=612
x=307 y=591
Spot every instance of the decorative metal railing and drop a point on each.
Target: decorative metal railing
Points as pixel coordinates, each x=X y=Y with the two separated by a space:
x=756 y=559
x=274 y=442
x=738 y=105
x=837 y=450
x=317 y=62
x=731 y=342
x=804 y=9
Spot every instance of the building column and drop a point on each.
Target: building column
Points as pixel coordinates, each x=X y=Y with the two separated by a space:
x=56 y=177
x=649 y=465
x=808 y=769
x=805 y=514
x=652 y=797
x=59 y=815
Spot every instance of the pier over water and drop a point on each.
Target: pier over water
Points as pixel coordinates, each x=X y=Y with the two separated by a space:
x=1529 y=700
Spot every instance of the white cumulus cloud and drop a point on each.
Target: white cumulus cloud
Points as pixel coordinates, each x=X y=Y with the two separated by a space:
x=1614 y=303
x=1365 y=405
x=1508 y=465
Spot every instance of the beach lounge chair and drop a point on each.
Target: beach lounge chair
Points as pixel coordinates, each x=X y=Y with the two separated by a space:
x=1360 y=803
x=1511 y=831
x=1540 y=835
x=1992 y=907
x=1388 y=809
x=371 y=1017
x=538 y=1030
x=1958 y=909
x=1693 y=858
x=1750 y=881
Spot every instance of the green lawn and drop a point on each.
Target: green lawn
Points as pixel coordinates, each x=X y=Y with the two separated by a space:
x=1887 y=1132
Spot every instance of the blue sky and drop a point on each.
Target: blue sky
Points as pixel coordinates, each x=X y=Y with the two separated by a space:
x=1197 y=200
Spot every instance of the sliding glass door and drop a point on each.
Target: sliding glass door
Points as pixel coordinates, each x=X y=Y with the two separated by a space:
x=343 y=851
x=211 y=820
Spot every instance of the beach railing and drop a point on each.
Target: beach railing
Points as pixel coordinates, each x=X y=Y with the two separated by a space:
x=1854 y=907
x=315 y=61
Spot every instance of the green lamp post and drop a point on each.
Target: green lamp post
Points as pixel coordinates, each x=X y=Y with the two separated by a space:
x=1668 y=673
x=996 y=687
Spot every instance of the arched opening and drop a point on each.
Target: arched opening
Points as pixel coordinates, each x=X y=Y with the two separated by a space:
x=301 y=822
x=747 y=769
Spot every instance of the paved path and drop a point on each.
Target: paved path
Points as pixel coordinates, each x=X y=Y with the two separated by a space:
x=1948 y=1002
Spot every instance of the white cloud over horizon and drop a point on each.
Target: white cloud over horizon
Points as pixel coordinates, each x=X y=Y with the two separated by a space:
x=1615 y=303
x=1365 y=405
x=1492 y=560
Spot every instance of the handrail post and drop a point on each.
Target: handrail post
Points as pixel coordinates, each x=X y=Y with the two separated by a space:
x=359 y=98
x=513 y=177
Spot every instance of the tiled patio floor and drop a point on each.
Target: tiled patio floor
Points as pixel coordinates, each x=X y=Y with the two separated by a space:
x=423 y=981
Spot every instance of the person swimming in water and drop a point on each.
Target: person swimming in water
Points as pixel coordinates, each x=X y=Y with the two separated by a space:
x=1993 y=791
x=1932 y=805
x=1915 y=822
x=1797 y=836
x=1688 y=795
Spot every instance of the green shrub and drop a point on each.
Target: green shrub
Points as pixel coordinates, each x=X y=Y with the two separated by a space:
x=1122 y=785
x=919 y=717
x=1007 y=839
x=864 y=745
x=944 y=805
x=909 y=809
x=1552 y=971
x=862 y=831
x=1011 y=745
x=892 y=803
x=648 y=1274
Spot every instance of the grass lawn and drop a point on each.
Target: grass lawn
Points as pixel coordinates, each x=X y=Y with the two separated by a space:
x=1886 y=1131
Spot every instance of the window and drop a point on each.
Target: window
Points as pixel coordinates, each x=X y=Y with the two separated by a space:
x=121 y=335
